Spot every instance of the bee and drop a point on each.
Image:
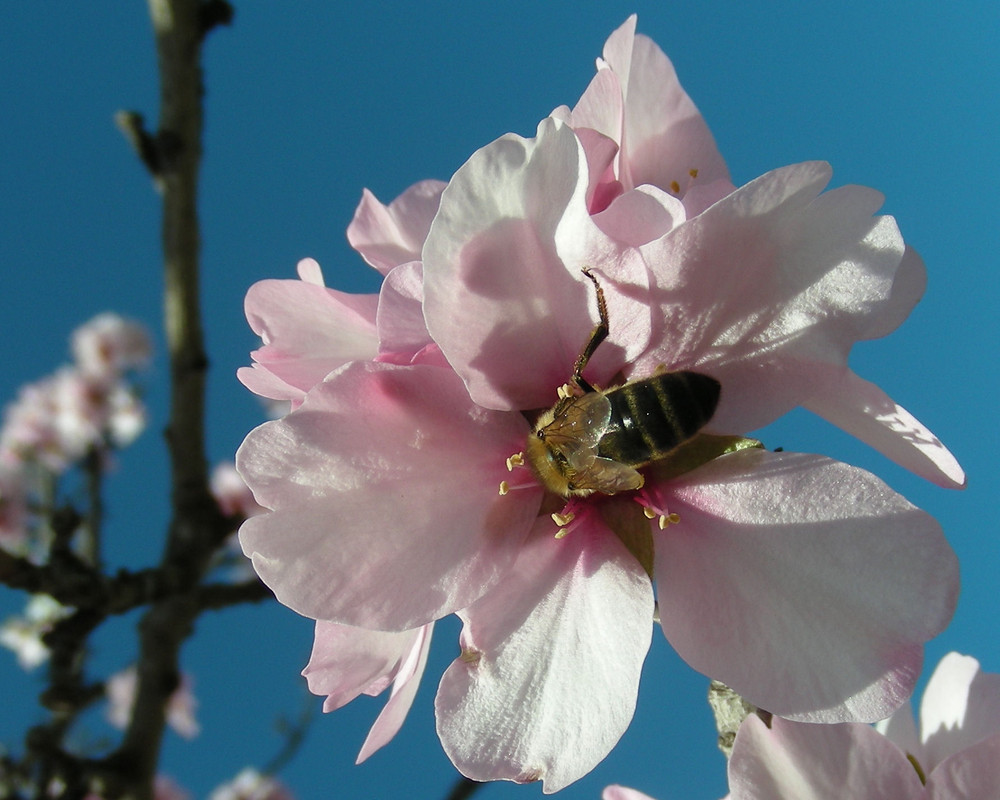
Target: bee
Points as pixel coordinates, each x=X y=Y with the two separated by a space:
x=597 y=440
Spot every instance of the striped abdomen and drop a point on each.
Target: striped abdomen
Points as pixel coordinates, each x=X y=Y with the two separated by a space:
x=649 y=418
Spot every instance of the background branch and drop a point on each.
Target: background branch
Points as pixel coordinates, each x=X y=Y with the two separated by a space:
x=179 y=27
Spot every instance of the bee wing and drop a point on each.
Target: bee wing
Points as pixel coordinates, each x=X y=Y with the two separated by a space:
x=578 y=428
x=608 y=477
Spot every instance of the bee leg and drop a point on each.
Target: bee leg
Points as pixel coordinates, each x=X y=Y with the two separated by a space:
x=599 y=335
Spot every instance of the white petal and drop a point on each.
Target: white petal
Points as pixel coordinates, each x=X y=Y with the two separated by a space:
x=806 y=585
x=865 y=411
x=960 y=707
x=548 y=679
x=799 y=761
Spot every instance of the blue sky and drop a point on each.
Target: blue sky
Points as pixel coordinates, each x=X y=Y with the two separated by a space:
x=306 y=105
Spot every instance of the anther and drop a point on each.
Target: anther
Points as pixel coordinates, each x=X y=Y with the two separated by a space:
x=669 y=519
x=504 y=488
x=516 y=460
x=562 y=520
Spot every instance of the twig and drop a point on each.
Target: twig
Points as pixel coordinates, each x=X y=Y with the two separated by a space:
x=179 y=28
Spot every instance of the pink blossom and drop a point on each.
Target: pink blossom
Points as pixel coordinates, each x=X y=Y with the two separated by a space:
x=346 y=662
x=957 y=750
x=382 y=486
x=109 y=345
x=120 y=689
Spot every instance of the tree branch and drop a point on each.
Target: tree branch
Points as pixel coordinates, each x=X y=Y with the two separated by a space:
x=179 y=27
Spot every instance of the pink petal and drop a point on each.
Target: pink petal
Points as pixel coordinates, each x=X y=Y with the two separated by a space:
x=603 y=185
x=865 y=411
x=960 y=707
x=404 y=689
x=799 y=761
x=503 y=287
x=601 y=107
x=973 y=774
x=549 y=672
x=641 y=215
x=907 y=289
x=775 y=279
x=901 y=730
x=387 y=236
x=308 y=331
x=806 y=585
x=664 y=135
x=346 y=661
x=384 y=486
x=401 y=328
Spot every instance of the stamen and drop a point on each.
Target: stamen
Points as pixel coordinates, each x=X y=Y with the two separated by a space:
x=562 y=520
x=516 y=460
x=522 y=479
x=669 y=519
x=675 y=187
x=651 y=510
x=569 y=517
x=471 y=657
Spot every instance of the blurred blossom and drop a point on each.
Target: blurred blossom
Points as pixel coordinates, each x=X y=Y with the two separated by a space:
x=23 y=634
x=954 y=755
x=57 y=420
x=410 y=409
x=126 y=415
x=231 y=492
x=109 y=345
x=252 y=785
x=120 y=690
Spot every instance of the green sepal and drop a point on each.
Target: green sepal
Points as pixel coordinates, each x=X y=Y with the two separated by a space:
x=632 y=526
x=698 y=450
